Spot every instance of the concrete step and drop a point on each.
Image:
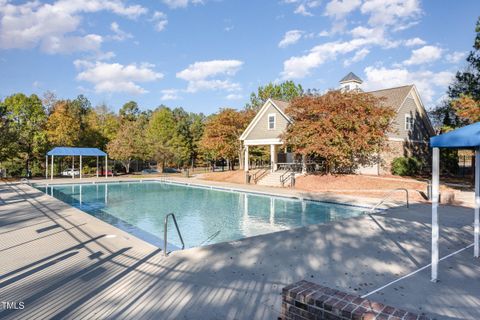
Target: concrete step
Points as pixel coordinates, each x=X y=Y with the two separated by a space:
x=271 y=179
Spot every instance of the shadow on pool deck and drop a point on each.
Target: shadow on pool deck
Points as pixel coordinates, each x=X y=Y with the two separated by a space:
x=81 y=267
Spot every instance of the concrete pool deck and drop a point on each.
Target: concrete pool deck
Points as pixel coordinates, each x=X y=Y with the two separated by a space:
x=63 y=263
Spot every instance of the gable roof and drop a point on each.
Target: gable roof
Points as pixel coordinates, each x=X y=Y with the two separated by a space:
x=277 y=104
x=351 y=77
x=394 y=97
x=280 y=104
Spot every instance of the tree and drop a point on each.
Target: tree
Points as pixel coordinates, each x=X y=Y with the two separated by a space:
x=129 y=111
x=7 y=134
x=222 y=132
x=126 y=144
x=101 y=127
x=27 y=118
x=346 y=129
x=161 y=136
x=463 y=105
x=467 y=108
x=64 y=124
x=467 y=82
x=286 y=91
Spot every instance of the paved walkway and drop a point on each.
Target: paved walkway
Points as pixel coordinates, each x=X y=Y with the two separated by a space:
x=63 y=263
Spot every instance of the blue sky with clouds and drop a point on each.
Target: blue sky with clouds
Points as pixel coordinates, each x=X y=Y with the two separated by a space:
x=206 y=54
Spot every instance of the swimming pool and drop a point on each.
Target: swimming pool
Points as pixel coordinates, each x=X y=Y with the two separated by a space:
x=205 y=215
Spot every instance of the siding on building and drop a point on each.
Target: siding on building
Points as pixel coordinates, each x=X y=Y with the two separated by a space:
x=419 y=131
x=261 y=130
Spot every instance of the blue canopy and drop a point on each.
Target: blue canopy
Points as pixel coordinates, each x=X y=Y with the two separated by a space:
x=69 y=151
x=465 y=137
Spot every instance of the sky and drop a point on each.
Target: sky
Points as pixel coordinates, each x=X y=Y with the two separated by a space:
x=203 y=55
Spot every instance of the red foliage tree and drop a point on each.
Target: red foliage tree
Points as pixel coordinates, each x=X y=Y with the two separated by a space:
x=346 y=129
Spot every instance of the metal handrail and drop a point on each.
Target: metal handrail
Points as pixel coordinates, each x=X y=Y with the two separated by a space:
x=387 y=196
x=259 y=174
x=165 y=233
x=285 y=176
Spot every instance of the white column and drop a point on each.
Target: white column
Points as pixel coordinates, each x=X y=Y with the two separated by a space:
x=273 y=157
x=304 y=164
x=80 y=167
x=477 y=203
x=51 y=169
x=73 y=167
x=106 y=167
x=435 y=193
x=97 y=166
x=246 y=163
x=46 y=167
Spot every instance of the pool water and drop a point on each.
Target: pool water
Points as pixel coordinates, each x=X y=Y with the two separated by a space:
x=205 y=216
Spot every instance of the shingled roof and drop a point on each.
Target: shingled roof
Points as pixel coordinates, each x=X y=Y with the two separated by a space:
x=351 y=77
x=282 y=105
x=394 y=97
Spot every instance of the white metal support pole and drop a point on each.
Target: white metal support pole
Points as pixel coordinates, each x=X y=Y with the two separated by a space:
x=80 y=167
x=51 y=169
x=435 y=194
x=46 y=167
x=97 y=166
x=73 y=167
x=477 y=203
x=106 y=167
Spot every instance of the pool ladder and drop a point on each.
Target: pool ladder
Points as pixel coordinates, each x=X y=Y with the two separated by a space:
x=165 y=233
x=387 y=196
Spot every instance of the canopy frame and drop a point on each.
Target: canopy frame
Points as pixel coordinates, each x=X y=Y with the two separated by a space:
x=72 y=152
x=467 y=137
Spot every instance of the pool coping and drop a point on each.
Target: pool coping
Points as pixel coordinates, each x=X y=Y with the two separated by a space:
x=363 y=205
x=172 y=247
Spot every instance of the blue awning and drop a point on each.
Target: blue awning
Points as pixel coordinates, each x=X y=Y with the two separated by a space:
x=466 y=137
x=70 y=151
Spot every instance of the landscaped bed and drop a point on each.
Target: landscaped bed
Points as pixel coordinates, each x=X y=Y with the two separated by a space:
x=360 y=185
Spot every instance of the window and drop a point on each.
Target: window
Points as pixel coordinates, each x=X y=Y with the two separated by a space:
x=409 y=122
x=271 y=121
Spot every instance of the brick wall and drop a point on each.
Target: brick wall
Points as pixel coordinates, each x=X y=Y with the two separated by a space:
x=397 y=149
x=306 y=300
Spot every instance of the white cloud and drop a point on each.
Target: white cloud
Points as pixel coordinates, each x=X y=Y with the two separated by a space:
x=50 y=25
x=359 y=55
x=175 y=4
x=397 y=13
x=414 y=42
x=303 y=6
x=170 y=94
x=234 y=96
x=160 y=20
x=119 y=34
x=425 y=54
x=290 y=37
x=115 y=77
x=340 y=8
x=203 y=75
x=301 y=66
x=456 y=57
x=429 y=83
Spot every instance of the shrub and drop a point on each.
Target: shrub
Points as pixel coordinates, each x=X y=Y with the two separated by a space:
x=406 y=166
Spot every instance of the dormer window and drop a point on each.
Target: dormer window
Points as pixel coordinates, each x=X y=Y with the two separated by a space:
x=271 y=121
x=409 y=122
